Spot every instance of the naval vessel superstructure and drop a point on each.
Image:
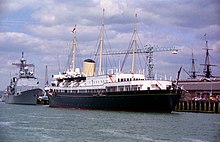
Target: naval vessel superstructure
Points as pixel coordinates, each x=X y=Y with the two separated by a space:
x=24 y=88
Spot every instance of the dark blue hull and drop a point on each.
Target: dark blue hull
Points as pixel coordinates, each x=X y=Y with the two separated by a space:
x=144 y=101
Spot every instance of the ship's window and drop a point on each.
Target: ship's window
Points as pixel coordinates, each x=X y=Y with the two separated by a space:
x=113 y=89
x=121 y=89
x=82 y=91
x=135 y=88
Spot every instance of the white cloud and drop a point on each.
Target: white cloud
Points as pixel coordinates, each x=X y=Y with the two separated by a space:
x=22 y=42
x=114 y=7
x=14 y=5
x=52 y=12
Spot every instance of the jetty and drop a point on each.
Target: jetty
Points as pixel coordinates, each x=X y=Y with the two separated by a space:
x=201 y=106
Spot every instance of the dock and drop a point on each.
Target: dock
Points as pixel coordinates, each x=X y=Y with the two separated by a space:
x=201 y=106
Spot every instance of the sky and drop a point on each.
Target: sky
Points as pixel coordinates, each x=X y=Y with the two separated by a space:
x=42 y=30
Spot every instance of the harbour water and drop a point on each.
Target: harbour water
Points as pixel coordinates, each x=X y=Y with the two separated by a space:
x=41 y=123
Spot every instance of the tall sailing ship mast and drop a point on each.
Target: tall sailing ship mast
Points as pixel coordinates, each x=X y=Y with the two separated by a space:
x=133 y=51
x=101 y=45
x=207 y=66
x=193 y=68
x=74 y=49
x=135 y=45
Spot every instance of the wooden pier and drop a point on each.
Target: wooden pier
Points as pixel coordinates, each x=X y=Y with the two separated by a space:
x=199 y=106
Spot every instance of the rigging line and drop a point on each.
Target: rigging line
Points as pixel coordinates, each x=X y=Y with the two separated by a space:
x=144 y=57
x=78 y=55
x=95 y=53
x=213 y=59
x=108 y=45
x=140 y=56
x=69 y=59
x=139 y=40
x=59 y=63
x=107 y=59
x=126 y=55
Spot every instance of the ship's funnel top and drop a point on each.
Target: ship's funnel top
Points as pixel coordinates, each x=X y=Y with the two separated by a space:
x=89 y=60
x=89 y=67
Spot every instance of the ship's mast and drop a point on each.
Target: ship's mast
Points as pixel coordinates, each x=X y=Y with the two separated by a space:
x=74 y=48
x=193 y=67
x=207 y=65
x=135 y=44
x=46 y=77
x=101 y=45
x=23 y=63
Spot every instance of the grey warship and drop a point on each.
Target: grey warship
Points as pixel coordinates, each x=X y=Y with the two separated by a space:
x=24 y=88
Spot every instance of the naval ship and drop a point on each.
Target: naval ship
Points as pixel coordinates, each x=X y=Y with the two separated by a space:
x=113 y=91
x=24 y=88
